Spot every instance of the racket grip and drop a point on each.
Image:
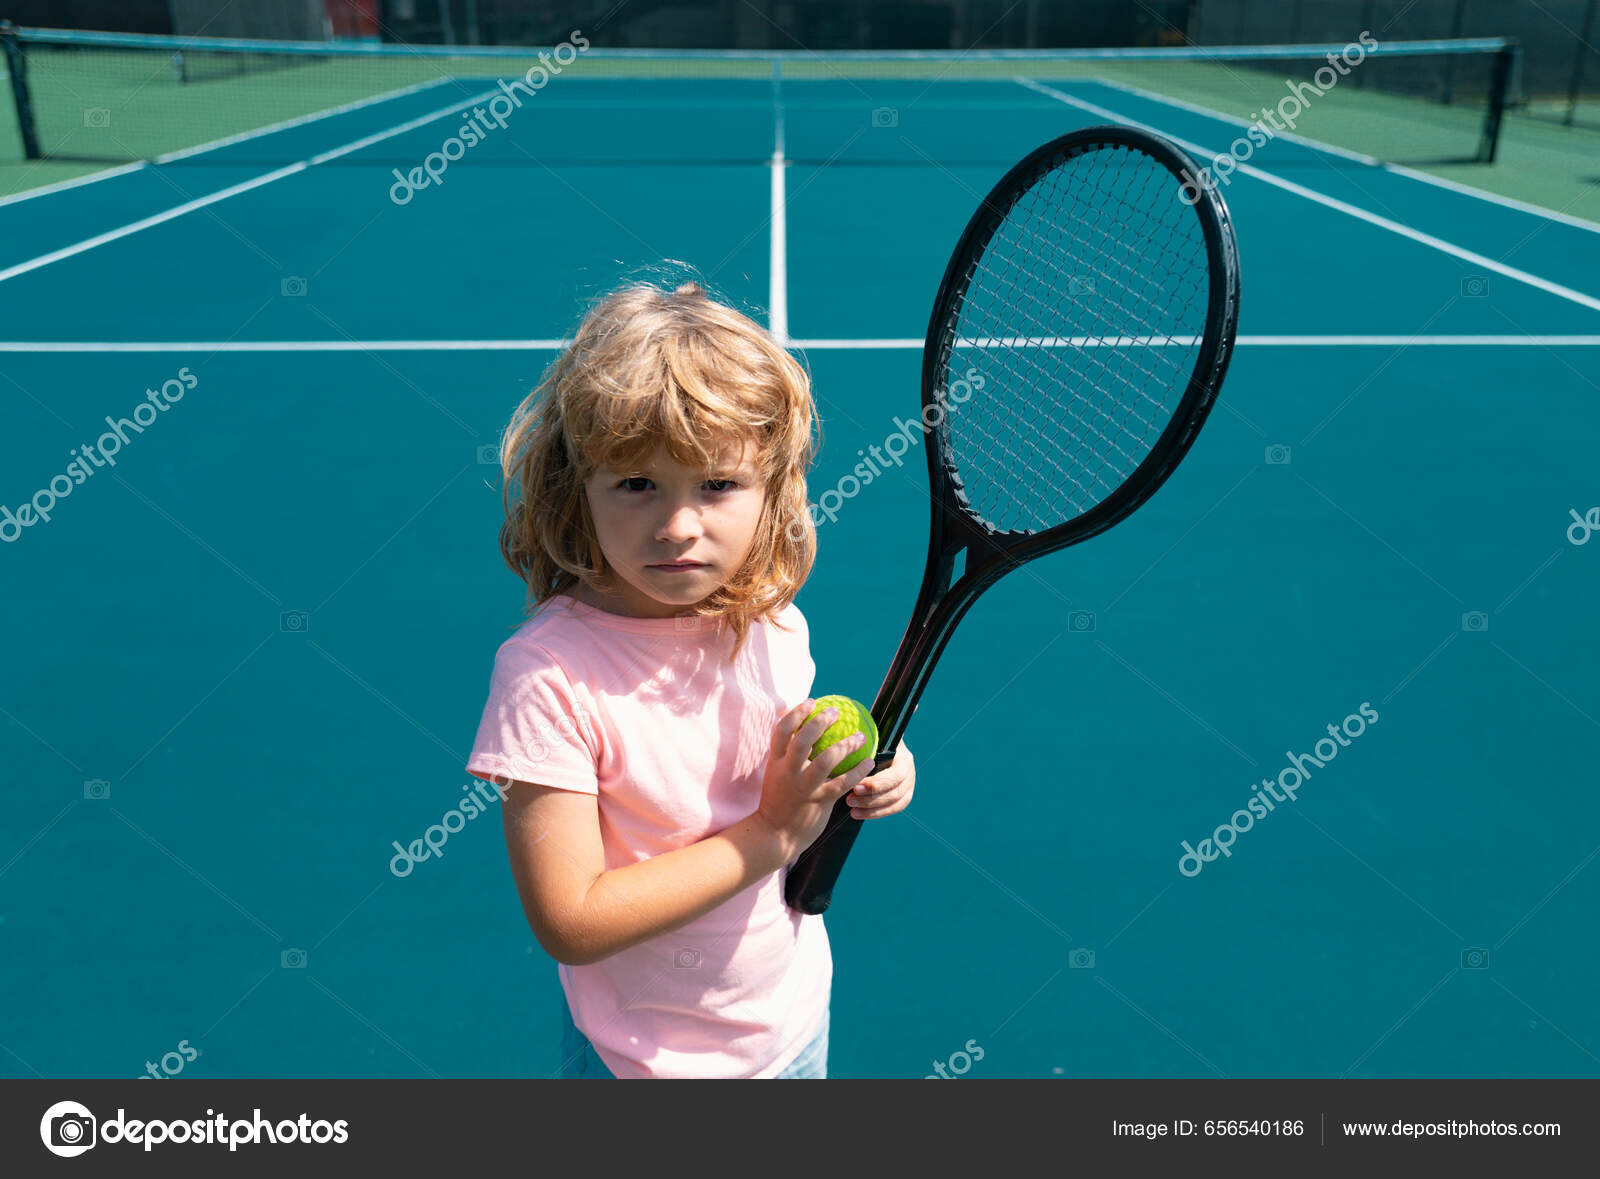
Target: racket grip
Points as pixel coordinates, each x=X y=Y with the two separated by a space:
x=809 y=884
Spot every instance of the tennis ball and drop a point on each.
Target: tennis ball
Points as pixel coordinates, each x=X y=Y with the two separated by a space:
x=853 y=718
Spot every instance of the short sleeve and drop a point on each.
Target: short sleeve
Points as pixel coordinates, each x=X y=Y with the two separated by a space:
x=534 y=727
x=791 y=619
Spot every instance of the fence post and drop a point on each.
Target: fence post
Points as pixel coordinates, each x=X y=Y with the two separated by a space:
x=17 y=67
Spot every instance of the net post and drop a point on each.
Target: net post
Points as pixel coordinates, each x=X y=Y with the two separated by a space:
x=17 y=68
x=1505 y=64
x=1366 y=27
x=1575 y=87
x=1450 y=61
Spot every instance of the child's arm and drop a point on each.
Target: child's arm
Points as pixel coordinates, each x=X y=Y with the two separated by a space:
x=582 y=913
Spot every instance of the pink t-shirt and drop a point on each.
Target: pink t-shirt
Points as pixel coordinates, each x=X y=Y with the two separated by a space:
x=648 y=714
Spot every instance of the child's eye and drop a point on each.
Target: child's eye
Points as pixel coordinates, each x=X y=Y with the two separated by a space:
x=729 y=484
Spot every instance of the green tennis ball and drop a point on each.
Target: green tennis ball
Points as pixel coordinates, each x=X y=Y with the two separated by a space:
x=853 y=718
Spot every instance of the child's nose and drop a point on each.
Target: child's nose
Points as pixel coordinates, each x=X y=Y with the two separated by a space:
x=681 y=524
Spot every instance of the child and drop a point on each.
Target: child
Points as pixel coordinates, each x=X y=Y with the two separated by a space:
x=647 y=724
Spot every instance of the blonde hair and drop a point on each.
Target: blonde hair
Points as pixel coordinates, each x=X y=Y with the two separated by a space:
x=650 y=367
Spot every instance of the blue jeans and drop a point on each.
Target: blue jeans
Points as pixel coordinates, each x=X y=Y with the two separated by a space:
x=579 y=1060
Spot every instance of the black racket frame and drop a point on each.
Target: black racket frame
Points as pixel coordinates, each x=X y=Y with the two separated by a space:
x=956 y=529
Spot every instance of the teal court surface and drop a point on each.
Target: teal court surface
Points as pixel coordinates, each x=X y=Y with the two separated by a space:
x=244 y=662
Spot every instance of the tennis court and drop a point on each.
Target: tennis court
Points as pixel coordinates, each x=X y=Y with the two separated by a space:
x=244 y=661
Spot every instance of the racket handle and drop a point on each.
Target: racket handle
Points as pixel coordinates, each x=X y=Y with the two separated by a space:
x=809 y=885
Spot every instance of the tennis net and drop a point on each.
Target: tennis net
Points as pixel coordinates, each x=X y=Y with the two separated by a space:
x=108 y=97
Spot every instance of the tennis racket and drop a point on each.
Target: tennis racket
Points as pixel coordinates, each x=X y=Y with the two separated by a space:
x=1077 y=343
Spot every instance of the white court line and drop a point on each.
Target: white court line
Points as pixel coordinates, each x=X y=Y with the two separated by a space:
x=1397 y=169
x=887 y=343
x=1196 y=108
x=234 y=190
x=298 y=122
x=1334 y=203
x=1495 y=198
x=1351 y=341
x=778 y=267
x=1485 y=341
x=63 y=185
x=209 y=346
x=75 y=182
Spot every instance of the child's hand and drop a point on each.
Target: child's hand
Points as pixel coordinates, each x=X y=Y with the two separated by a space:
x=797 y=795
x=887 y=793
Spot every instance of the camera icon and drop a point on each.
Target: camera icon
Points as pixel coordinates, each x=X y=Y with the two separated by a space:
x=294 y=622
x=1080 y=621
x=686 y=959
x=1475 y=620
x=1080 y=285
x=71 y=1133
x=293 y=959
x=489 y=454
x=97 y=788
x=96 y=116
x=1475 y=286
x=294 y=286
x=1277 y=456
x=1474 y=958
x=1081 y=959
x=686 y=621
x=885 y=116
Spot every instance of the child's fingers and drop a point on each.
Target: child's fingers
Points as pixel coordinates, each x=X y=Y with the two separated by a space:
x=873 y=805
x=826 y=764
x=865 y=811
x=790 y=725
x=851 y=778
x=877 y=783
x=810 y=733
x=879 y=792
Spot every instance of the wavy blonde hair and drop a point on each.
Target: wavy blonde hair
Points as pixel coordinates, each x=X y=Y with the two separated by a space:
x=649 y=367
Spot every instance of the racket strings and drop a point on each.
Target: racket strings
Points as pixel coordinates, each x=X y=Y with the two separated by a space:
x=1086 y=412
x=1108 y=248
x=1044 y=265
x=1083 y=316
x=1091 y=437
x=1039 y=371
x=1155 y=284
x=1040 y=420
x=1130 y=406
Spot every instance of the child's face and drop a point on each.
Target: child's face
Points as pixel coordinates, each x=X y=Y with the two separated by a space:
x=663 y=512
